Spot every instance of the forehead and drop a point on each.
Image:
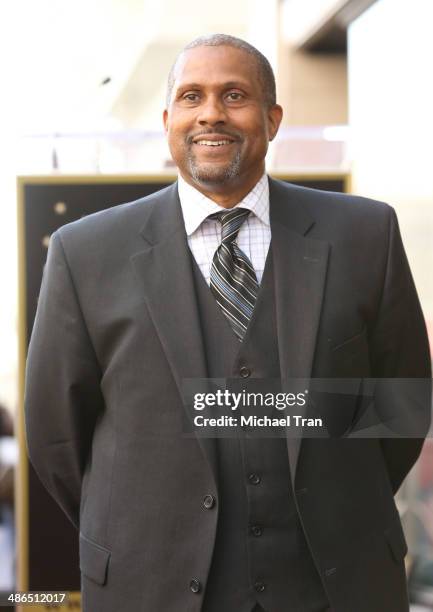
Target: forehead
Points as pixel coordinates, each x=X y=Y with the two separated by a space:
x=216 y=65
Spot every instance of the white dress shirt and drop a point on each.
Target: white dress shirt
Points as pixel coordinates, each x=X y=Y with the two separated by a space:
x=204 y=235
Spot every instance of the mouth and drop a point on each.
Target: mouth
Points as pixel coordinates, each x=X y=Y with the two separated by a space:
x=212 y=140
x=213 y=143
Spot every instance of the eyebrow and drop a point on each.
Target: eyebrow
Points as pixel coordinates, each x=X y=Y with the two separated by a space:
x=227 y=85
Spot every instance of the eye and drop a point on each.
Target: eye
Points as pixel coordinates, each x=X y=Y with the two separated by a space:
x=234 y=96
x=190 y=97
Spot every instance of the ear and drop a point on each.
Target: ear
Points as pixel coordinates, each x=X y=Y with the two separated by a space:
x=165 y=120
x=275 y=115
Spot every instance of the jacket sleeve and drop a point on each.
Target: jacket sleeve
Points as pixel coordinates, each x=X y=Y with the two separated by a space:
x=62 y=392
x=399 y=350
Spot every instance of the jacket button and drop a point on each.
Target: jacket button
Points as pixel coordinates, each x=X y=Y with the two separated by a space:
x=256 y=530
x=254 y=479
x=259 y=586
x=208 y=501
x=244 y=372
x=195 y=585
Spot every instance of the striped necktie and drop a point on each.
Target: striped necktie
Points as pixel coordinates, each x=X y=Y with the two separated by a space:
x=233 y=280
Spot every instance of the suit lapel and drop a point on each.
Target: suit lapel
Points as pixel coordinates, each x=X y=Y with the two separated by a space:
x=164 y=267
x=300 y=265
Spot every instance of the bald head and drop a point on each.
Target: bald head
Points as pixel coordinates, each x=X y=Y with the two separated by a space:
x=264 y=69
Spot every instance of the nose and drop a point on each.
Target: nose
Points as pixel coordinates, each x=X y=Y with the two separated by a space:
x=212 y=111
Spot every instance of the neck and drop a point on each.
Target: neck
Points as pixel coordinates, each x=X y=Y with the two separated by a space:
x=229 y=194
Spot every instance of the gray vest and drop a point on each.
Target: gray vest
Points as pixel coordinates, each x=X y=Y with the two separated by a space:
x=261 y=554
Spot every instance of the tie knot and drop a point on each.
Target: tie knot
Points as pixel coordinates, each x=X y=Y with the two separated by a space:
x=231 y=222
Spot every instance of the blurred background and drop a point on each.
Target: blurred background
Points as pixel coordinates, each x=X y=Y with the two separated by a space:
x=83 y=89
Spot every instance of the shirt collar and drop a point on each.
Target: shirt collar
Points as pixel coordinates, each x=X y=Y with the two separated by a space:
x=196 y=207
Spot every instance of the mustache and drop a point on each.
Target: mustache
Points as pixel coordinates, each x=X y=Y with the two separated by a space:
x=220 y=132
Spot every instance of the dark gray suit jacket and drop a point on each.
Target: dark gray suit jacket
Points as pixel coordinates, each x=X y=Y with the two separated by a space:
x=117 y=331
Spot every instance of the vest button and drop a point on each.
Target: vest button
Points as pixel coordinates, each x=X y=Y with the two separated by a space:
x=195 y=585
x=259 y=586
x=254 y=479
x=256 y=530
x=208 y=501
x=245 y=372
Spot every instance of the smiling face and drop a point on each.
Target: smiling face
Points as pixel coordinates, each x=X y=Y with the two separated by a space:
x=217 y=123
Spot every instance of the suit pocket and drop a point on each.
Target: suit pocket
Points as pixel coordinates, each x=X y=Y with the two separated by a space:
x=351 y=344
x=94 y=560
x=396 y=540
x=350 y=358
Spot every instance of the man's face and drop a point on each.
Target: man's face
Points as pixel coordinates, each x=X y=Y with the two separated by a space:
x=217 y=123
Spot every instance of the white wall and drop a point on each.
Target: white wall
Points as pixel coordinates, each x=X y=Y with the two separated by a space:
x=390 y=113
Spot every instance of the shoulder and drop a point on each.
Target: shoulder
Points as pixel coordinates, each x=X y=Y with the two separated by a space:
x=321 y=201
x=114 y=222
x=331 y=211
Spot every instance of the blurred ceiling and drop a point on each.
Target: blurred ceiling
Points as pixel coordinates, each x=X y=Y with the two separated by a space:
x=320 y=26
x=93 y=64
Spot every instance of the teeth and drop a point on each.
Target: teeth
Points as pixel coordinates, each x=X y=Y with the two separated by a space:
x=213 y=143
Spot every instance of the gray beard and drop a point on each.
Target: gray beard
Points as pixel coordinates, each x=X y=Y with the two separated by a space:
x=214 y=175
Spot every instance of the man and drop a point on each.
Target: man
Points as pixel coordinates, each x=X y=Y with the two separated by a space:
x=225 y=274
